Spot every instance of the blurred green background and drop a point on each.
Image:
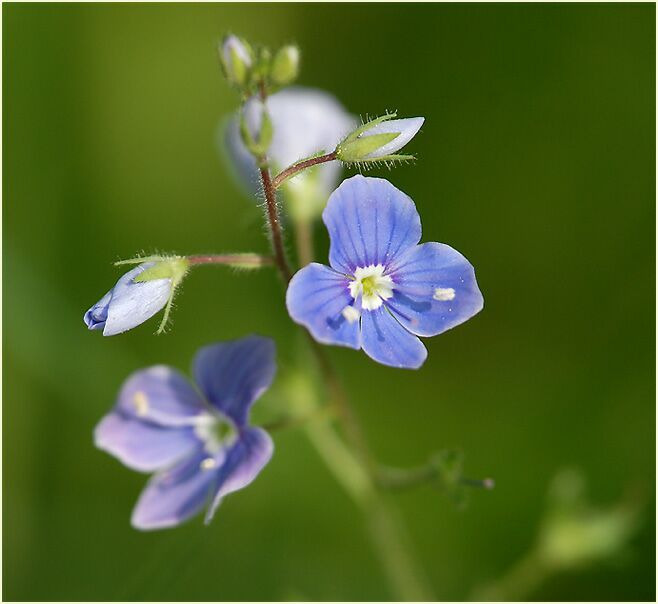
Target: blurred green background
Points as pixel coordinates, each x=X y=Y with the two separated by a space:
x=537 y=161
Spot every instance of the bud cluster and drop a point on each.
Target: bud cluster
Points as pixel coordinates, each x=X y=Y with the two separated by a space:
x=247 y=68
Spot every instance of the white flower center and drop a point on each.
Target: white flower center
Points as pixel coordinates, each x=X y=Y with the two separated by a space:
x=372 y=285
x=212 y=431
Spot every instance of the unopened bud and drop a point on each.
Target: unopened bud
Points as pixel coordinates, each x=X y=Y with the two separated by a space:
x=256 y=127
x=236 y=58
x=378 y=140
x=285 y=66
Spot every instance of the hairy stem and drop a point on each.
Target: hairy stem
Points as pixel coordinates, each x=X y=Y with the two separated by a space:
x=384 y=528
x=300 y=166
x=236 y=259
x=274 y=223
x=339 y=398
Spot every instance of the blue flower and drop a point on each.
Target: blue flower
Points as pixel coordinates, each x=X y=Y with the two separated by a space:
x=201 y=447
x=382 y=289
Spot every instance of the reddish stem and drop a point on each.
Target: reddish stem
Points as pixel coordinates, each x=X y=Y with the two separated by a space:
x=254 y=259
x=302 y=165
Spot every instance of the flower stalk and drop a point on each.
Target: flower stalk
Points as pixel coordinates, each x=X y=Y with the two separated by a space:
x=234 y=260
x=274 y=224
x=291 y=171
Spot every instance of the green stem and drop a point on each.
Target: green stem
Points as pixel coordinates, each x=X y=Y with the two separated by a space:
x=390 y=541
x=518 y=583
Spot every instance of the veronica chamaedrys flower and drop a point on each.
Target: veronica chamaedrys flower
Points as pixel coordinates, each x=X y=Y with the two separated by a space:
x=198 y=442
x=382 y=290
x=379 y=140
x=305 y=121
x=137 y=296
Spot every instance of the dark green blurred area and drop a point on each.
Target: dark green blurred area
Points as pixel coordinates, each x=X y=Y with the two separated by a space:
x=537 y=161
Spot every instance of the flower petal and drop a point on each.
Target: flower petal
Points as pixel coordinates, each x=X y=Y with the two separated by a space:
x=316 y=298
x=435 y=289
x=175 y=495
x=96 y=316
x=407 y=127
x=243 y=462
x=142 y=446
x=160 y=395
x=369 y=222
x=388 y=343
x=234 y=374
x=131 y=302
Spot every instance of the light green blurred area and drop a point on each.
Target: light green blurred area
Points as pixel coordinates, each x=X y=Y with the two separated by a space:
x=537 y=161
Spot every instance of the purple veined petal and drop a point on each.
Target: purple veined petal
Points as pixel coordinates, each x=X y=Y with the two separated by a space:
x=161 y=395
x=317 y=298
x=142 y=446
x=387 y=342
x=407 y=127
x=175 y=495
x=305 y=121
x=232 y=375
x=370 y=222
x=128 y=303
x=435 y=289
x=244 y=460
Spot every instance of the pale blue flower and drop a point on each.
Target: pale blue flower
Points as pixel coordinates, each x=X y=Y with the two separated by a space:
x=198 y=442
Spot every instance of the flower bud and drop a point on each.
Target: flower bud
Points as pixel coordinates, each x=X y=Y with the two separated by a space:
x=236 y=58
x=256 y=129
x=379 y=139
x=285 y=66
x=137 y=296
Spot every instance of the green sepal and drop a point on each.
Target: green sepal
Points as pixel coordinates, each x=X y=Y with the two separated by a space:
x=358 y=149
x=236 y=71
x=173 y=268
x=384 y=160
x=140 y=260
x=240 y=70
x=257 y=147
x=285 y=66
x=367 y=126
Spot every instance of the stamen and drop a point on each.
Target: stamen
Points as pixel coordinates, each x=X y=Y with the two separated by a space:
x=372 y=286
